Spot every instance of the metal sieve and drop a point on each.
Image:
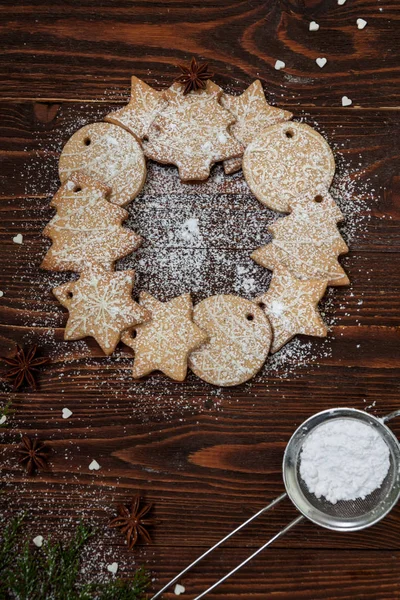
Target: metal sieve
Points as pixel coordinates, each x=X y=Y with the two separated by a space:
x=342 y=516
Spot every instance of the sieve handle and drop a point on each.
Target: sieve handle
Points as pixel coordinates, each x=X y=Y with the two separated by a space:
x=270 y=541
x=390 y=416
x=257 y=514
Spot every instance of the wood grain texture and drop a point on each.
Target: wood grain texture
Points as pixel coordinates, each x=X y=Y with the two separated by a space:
x=103 y=43
x=208 y=458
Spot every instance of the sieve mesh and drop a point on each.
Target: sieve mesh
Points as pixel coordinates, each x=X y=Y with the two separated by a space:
x=348 y=509
x=348 y=515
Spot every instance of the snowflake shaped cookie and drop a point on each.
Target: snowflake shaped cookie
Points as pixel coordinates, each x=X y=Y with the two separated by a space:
x=100 y=305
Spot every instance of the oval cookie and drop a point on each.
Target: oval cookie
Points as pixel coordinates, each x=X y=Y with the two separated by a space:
x=110 y=155
x=285 y=161
x=240 y=338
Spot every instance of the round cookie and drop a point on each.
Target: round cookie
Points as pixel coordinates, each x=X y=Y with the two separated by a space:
x=240 y=338
x=285 y=161
x=110 y=155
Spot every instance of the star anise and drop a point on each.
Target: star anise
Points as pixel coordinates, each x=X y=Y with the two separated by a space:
x=131 y=522
x=24 y=364
x=33 y=455
x=194 y=77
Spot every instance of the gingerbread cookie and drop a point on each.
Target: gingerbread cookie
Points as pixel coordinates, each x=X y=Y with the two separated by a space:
x=240 y=337
x=100 y=305
x=137 y=116
x=285 y=161
x=87 y=228
x=192 y=133
x=253 y=114
x=110 y=155
x=307 y=242
x=165 y=342
x=291 y=307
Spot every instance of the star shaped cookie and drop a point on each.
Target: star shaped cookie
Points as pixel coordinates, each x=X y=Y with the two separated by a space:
x=252 y=112
x=291 y=307
x=143 y=107
x=164 y=343
x=100 y=305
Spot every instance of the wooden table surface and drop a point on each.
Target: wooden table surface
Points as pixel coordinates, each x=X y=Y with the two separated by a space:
x=207 y=458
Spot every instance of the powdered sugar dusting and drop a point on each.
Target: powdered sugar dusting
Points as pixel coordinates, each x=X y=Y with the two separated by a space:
x=216 y=261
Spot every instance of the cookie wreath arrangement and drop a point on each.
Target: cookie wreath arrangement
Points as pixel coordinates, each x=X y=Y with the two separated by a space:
x=225 y=339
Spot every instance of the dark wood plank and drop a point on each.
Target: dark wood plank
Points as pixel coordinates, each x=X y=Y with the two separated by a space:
x=367 y=154
x=207 y=457
x=89 y=50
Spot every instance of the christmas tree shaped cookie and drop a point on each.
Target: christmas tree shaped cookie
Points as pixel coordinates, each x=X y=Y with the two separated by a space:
x=100 y=305
x=291 y=307
x=145 y=104
x=307 y=242
x=192 y=132
x=165 y=343
x=87 y=228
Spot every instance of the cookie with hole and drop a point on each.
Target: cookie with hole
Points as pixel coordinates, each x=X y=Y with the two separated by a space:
x=285 y=161
x=240 y=338
x=109 y=154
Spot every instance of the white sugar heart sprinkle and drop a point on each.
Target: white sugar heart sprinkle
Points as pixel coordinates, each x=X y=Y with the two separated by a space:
x=279 y=65
x=313 y=26
x=341 y=2
x=321 y=62
x=3 y=419
x=179 y=589
x=38 y=541
x=1 y=294
x=346 y=101
x=94 y=466
x=66 y=413
x=361 y=23
x=18 y=239
x=113 y=568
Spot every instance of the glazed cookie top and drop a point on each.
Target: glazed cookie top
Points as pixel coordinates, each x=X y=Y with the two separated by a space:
x=165 y=342
x=307 y=242
x=252 y=112
x=87 y=228
x=137 y=116
x=285 y=161
x=192 y=132
x=100 y=305
x=110 y=155
x=240 y=337
x=291 y=307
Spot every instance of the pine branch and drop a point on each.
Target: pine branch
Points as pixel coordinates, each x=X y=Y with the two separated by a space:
x=124 y=590
x=8 y=543
x=52 y=572
x=4 y=412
